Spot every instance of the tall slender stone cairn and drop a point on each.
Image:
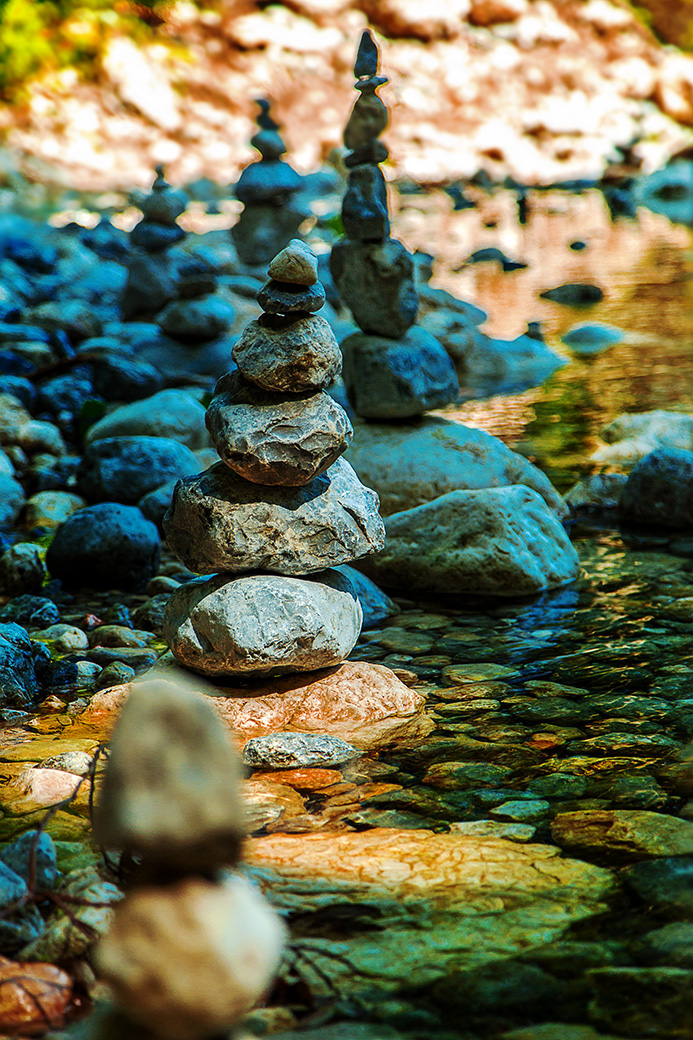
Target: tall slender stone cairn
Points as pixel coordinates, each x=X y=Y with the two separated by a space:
x=192 y=946
x=270 y=218
x=151 y=281
x=391 y=370
x=281 y=509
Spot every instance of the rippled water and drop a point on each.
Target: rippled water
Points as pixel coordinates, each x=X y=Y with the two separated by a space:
x=644 y=269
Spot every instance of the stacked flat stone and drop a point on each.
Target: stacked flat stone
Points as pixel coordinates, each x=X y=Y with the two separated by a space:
x=193 y=945
x=270 y=217
x=151 y=281
x=281 y=508
x=392 y=369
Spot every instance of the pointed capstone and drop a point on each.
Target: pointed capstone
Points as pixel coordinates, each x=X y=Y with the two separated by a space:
x=366 y=63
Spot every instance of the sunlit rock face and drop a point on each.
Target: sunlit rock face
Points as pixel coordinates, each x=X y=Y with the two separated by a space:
x=496 y=542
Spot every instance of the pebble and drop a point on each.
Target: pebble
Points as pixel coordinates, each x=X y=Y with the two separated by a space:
x=33 y=996
x=22 y=569
x=66 y=637
x=521 y=811
x=49 y=509
x=32 y=611
x=36 y=847
x=287 y=298
x=77 y=762
x=288 y=354
x=115 y=674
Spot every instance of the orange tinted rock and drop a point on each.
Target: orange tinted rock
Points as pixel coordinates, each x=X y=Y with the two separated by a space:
x=267 y=802
x=364 y=704
x=302 y=779
x=33 y=997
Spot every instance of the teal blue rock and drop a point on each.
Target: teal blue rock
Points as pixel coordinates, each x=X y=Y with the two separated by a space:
x=592 y=339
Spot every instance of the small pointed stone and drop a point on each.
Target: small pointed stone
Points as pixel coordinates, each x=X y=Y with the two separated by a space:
x=366 y=63
x=287 y=298
x=170 y=792
x=264 y=119
x=269 y=144
x=297 y=264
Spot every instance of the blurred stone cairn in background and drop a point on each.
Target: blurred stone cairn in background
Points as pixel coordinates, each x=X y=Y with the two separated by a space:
x=391 y=369
x=280 y=501
x=193 y=945
x=483 y=536
x=270 y=217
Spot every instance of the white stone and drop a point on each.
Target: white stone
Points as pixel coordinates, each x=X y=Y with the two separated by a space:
x=297 y=264
x=187 y=960
x=632 y=435
x=263 y=623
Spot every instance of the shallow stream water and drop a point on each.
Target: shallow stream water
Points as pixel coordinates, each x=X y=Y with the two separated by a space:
x=577 y=701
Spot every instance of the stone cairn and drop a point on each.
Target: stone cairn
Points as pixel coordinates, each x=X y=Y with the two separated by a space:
x=281 y=509
x=151 y=281
x=271 y=217
x=392 y=370
x=192 y=946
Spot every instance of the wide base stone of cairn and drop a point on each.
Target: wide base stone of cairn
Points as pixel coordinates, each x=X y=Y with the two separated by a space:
x=263 y=624
x=220 y=522
x=362 y=703
x=397 y=379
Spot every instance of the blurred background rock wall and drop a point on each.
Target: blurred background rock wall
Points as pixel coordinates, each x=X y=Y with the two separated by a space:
x=95 y=93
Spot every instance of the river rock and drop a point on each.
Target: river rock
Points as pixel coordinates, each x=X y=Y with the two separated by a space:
x=197 y=320
x=412 y=464
x=170 y=792
x=628 y=833
x=632 y=435
x=11 y=499
x=123 y=469
x=218 y=521
x=150 y=285
x=395 y=379
x=375 y=604
x=446 y=903
x=34 y=997
x=187 y=960
x=262 y=623
x=18 y=684
x=659 y=489
x=31 y=846
x=272 y=438
x=523 y=361
x=285 y=353
x=170 y=413
x=21 y=569
x=289 y=298
x=364 y=704
x=376 y=282
x=105 y=546
x=495 y=542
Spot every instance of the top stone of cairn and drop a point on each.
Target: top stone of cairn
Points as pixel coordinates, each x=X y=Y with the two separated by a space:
x=297 y=264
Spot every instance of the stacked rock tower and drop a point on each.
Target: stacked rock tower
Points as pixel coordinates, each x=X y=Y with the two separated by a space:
x=151 y=281
x=270 y=217
x=392 y=370
x=281 y=509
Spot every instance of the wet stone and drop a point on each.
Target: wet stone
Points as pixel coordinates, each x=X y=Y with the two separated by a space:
x=297 y=751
